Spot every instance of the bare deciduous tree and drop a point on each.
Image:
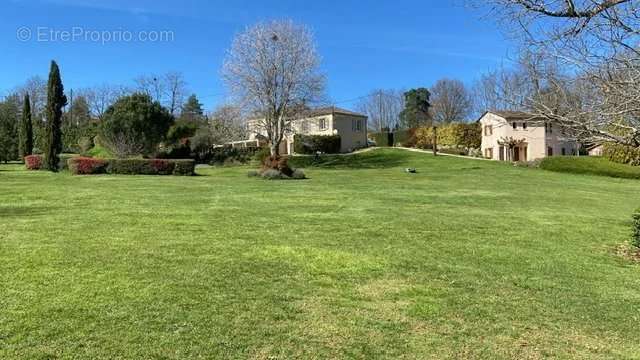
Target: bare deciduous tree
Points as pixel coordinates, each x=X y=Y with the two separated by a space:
x=594 y=42
x=36 y=87
x=169 y=89
x=272 y=69
x=495 y=90
x=450 y=101
x=176 y=89
x=383 y=108
x=101 y=97
x=152 y=85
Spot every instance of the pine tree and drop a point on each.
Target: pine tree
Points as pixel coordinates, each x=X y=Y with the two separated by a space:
x=56 y=100
x=26 y=129
x=192 y=110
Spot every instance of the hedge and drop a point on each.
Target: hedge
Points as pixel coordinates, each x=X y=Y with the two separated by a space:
x=151 y=167
x=454 y=134
x=87 y=166
x=230 y=155
x=64 y=160
x=90 y=166
x=311 y=144
x=33 y=162
x=636 y=229
x=622 y=154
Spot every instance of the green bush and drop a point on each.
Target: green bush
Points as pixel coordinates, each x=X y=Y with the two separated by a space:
x=228 y=155
x=64 y=160
x=134 y=125
x=99 y=151
x=273 y=174
x=184 y=167
x=453 y=151
x=311 y=144
x=381 y=138
x=405 y=138
x=298 y=174
x=622 y=154
x=263 y=153
x=636 y=229
x=151 y=167
x=590 y=165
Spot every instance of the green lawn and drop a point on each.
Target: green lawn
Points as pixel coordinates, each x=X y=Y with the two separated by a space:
x=590 y=165
x=466 y=259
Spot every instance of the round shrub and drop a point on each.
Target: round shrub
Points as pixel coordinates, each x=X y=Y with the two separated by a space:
x=273 y=174
x=135 y=125
x=298 y=174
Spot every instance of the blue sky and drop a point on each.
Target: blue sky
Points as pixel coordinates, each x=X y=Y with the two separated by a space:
x=364 y=45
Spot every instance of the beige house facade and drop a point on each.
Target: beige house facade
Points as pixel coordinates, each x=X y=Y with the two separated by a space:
x=517 y=136
x=596 y=150
x=351 y=126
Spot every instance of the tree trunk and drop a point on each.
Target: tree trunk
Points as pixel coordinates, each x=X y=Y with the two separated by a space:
x=275 y=148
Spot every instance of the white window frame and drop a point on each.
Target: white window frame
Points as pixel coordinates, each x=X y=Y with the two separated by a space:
x=322 y=124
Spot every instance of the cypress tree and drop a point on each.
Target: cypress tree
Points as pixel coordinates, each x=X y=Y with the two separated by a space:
x=26 y=129
x=56 y=100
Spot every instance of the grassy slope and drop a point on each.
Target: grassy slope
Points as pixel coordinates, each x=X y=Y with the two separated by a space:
x=590 y=165
x=467 y=259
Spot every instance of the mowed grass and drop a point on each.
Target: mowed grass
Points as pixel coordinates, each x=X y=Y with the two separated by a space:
x=466 y=259
x=590 y=165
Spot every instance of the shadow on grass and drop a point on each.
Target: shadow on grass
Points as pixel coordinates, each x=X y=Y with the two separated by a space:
x=24 y=211
x=369 y=160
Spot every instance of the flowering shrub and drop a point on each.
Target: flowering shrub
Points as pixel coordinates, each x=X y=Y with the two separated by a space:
x=87 y=166
x=33 y=162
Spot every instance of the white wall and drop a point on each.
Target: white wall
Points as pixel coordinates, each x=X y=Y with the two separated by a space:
x=533 y=135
